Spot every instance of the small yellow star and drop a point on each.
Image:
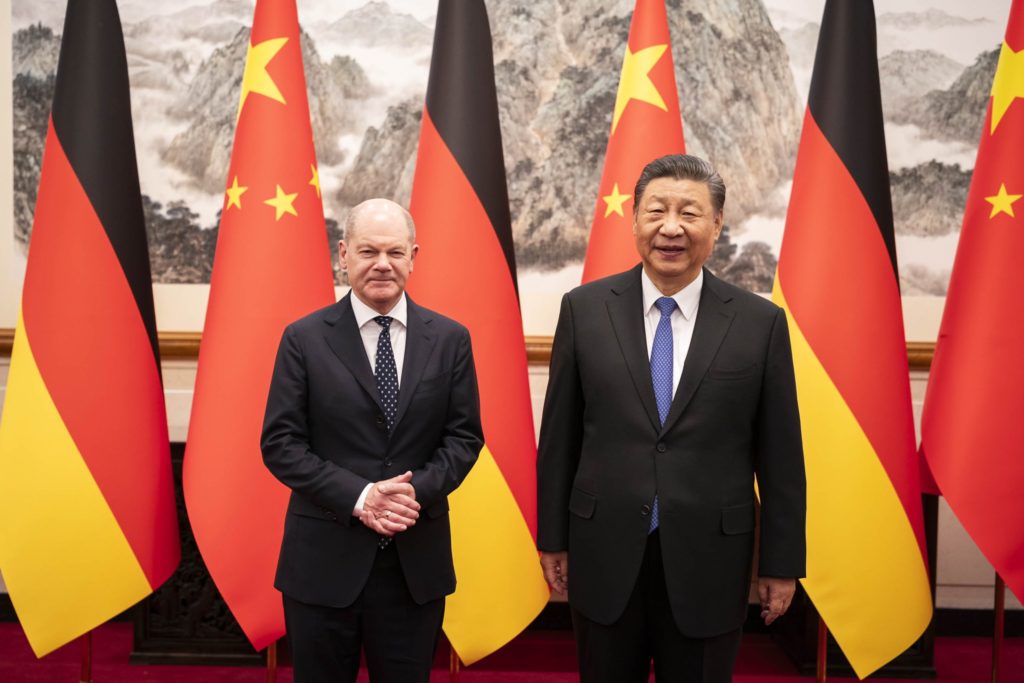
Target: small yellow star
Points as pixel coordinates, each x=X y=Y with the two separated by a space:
x=614 y=202
x=1002 y=202
x=1008 y=83
x=235 y=193
x=635 y=82
x=256 y=79
x=315 y=180
x=282 y=203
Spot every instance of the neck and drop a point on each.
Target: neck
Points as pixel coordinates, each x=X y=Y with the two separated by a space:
x=381 y=308
x=671 y=286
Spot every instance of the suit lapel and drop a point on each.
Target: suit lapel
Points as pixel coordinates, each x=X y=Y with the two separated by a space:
x=626 y=310
x=714 y=316
x=343 y=337
x=419 y=344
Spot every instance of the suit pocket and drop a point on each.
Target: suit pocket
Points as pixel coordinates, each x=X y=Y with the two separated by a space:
x=734 y=373
x=435 y=383
x=437 y=509
x=738 y=519
x=582 y=504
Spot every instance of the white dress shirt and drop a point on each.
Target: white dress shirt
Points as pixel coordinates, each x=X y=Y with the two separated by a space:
x=370 y=331
x=683 y=318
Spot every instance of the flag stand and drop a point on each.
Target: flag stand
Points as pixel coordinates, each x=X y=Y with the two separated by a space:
x=86 y=639
x=822 y=651
x=454 y=663
x=997 y=634
x=272 y=662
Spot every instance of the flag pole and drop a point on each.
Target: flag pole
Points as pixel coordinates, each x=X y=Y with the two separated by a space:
x=86 y=640
x=453 y=664
x=997 y=635
x=272 y=662
x=822 y=651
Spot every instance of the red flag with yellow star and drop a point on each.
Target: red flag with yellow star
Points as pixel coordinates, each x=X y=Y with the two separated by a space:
x=272 y=266
x=972 y=434
x=645 y=125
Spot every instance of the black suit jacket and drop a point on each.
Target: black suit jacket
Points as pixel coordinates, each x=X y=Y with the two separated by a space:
x=325 y=437
x=604 y=454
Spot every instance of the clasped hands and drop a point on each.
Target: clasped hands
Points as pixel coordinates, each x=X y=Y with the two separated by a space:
x=390 y=506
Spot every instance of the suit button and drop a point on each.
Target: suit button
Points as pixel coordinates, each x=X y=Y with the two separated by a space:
x=380 y=419
x=662 y=448
x=645 y=510
x=387 y=463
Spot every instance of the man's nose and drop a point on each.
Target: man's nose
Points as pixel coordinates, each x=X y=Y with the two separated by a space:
x=672 y=226
x=382 y=262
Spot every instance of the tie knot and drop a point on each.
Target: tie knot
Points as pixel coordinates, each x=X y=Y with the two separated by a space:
x=384 y=321
x=666 y=305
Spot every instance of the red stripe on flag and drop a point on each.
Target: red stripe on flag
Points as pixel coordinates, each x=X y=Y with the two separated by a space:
x=840 y=286
x=464 y=274
x=95 y=357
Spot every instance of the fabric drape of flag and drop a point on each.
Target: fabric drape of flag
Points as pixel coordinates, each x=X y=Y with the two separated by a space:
x=271 y=267
x=972 y=434
x=837 y=279
x=466 y=269
x=645 y=125
x=88 y=525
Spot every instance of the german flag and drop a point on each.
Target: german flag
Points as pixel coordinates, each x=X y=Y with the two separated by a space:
x=645 y=125
x=972 y=433
x=87 y=517
x=272 y=266
x=466 y=268
x=837 y=279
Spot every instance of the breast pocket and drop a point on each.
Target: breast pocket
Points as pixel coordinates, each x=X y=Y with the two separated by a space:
x=434 y=385
x=734 y=373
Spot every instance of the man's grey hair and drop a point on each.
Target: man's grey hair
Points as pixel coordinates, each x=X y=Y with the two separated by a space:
x=682 y=167
x=379 y=203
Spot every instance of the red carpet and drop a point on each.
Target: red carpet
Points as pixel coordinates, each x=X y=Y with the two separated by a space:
x=535 y=657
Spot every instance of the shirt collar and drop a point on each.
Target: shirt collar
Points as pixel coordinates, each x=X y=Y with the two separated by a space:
x=365 y=314
x=686 y=298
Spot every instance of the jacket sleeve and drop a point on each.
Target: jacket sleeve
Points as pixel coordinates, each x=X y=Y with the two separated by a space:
x=462 y=437
x=780 y=463
x=561 y=437
x=285 y=439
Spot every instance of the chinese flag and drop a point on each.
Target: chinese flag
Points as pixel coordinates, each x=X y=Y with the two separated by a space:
x=972 y=434
x=645 y=125
x=88 y=525
x=867 y=570
x=272 y=266
x=466 y=269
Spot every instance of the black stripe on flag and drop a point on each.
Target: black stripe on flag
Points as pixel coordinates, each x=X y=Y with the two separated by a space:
x=93 y=120
x=463 y=105
x=846 y=102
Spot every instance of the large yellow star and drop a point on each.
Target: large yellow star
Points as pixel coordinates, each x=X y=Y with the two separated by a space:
x=614 y=201
x=635 y=82
x=315 y=180
x=1008 y=83
x=282 y=203
x=1002 y=202
x=256 y=79
x=235 y=193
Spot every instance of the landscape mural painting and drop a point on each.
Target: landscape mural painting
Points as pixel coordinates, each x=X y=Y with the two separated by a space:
x=743 y=70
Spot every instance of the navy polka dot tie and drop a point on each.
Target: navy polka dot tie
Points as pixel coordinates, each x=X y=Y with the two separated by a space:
x=387 y=371
x=661 y=372
x=387 y=384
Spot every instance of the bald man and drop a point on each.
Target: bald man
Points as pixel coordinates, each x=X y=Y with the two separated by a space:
x=373 y=418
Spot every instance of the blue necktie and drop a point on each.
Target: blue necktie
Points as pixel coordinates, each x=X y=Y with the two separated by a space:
x=387 y=384
x=661 y=372
x=387 y=371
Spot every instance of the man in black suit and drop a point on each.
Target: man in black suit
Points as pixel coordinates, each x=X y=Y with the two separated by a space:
x=669 y=390
x=373 y=418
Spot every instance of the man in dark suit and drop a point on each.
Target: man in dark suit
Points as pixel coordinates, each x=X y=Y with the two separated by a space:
x=373 y=418
x=669 y=390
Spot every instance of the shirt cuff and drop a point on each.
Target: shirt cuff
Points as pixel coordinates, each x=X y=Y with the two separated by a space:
x=360 y=500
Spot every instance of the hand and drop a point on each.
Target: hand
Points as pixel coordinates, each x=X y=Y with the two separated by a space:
x=775 y=594
x=390 y=505
x=556 y=570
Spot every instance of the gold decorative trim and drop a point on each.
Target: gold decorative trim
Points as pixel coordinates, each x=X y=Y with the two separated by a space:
x=185 y=346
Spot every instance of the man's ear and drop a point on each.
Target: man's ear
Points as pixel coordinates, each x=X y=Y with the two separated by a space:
x=342 y=249
x=412 y=255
